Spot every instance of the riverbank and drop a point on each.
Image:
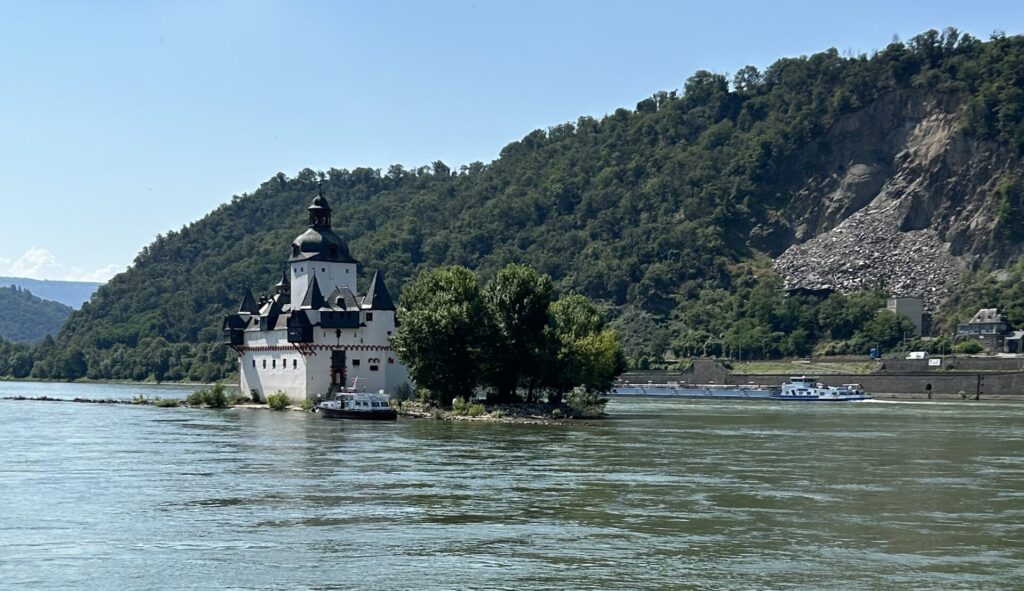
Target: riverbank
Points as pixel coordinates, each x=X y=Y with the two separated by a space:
x=113 y=382
x=522 y=413
x=525 y=414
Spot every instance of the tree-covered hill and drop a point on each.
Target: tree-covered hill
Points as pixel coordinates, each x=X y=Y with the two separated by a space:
x=673 y=206
x=25 y=318
x=69 y=293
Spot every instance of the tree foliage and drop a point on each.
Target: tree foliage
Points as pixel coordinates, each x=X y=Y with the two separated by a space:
x=509 y=338
x=442 y=337
x=25 y=318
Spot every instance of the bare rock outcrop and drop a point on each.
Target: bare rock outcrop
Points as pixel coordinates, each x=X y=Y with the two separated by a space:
x=908 y=204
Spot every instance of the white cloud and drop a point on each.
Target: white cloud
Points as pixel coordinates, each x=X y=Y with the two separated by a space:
x=39 y=263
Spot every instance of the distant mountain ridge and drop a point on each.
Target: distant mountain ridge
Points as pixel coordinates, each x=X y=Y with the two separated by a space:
x=69 y=293
x=26 y=318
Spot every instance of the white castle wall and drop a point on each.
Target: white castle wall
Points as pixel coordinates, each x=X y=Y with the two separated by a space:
x=328 y=277
x=270 y=363
x=279 y=368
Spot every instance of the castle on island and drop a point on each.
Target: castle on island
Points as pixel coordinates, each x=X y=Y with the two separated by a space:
x=315 y=335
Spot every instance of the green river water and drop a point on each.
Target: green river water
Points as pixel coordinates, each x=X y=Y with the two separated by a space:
x=663 y=494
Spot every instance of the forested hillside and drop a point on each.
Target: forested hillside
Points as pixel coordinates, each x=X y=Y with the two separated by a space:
x=25 y=318
x=670 y=213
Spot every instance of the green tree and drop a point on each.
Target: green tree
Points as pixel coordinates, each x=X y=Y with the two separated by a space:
x=886 y=329
x=517 y=301
x=582 y=352
x=443 y=330
x=1010 y=210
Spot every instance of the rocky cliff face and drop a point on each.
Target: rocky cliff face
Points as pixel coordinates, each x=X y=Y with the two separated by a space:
x=907 y=203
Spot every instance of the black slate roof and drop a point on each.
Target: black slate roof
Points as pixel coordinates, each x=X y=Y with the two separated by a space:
x=342 y=298
x=377 y=296
x=248 y=305
x=320 y=244
x=313 y=300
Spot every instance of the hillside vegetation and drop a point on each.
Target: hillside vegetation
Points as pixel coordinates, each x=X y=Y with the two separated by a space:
x=25 y=318
x=668 y=213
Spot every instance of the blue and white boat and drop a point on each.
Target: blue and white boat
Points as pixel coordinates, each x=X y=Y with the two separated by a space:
x=808 y=389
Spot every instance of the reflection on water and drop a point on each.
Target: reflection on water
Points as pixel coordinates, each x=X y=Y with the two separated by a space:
x=665 y=494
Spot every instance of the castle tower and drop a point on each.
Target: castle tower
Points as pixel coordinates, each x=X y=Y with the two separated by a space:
x=319 y=251
x=315 y=334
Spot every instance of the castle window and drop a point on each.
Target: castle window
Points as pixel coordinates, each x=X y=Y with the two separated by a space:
x=295 y=250
x=334 y=250
x=373 y=368
x=254 y=363
x=295 y=364
x=369 y=316
x=355 y=363
x=273 y=364
x=264 y=364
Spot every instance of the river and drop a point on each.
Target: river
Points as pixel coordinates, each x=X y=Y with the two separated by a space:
x=663 y=494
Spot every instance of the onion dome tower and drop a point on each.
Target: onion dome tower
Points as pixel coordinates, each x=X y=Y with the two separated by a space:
x=321 y=251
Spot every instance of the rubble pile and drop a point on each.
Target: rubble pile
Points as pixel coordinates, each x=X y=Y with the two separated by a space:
x=868 y=249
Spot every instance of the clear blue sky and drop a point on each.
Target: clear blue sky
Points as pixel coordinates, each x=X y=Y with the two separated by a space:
x=122 y=120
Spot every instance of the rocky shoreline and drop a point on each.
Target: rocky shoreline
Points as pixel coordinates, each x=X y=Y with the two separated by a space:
x=523 y=414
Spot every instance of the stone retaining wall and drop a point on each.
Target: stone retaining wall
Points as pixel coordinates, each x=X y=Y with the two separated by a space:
x=941 y=383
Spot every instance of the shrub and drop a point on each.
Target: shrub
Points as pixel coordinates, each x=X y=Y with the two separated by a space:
x=476 y=410
x=216 y=398
x=197 y=398
x=459 y=406
x=556 y=414
x=166 y=402
x=140 y=399
x=586 y=402
x=968 y=347
x=277 y=401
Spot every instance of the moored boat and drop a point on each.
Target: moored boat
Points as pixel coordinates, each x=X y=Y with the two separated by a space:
x=357 y=405
x=808 y=389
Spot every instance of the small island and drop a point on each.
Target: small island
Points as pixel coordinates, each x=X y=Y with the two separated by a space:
x=507 y=349
x=453 y=348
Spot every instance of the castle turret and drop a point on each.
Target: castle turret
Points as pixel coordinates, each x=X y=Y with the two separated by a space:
x=377 y=296
x=248 y=305
x=284 y=285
